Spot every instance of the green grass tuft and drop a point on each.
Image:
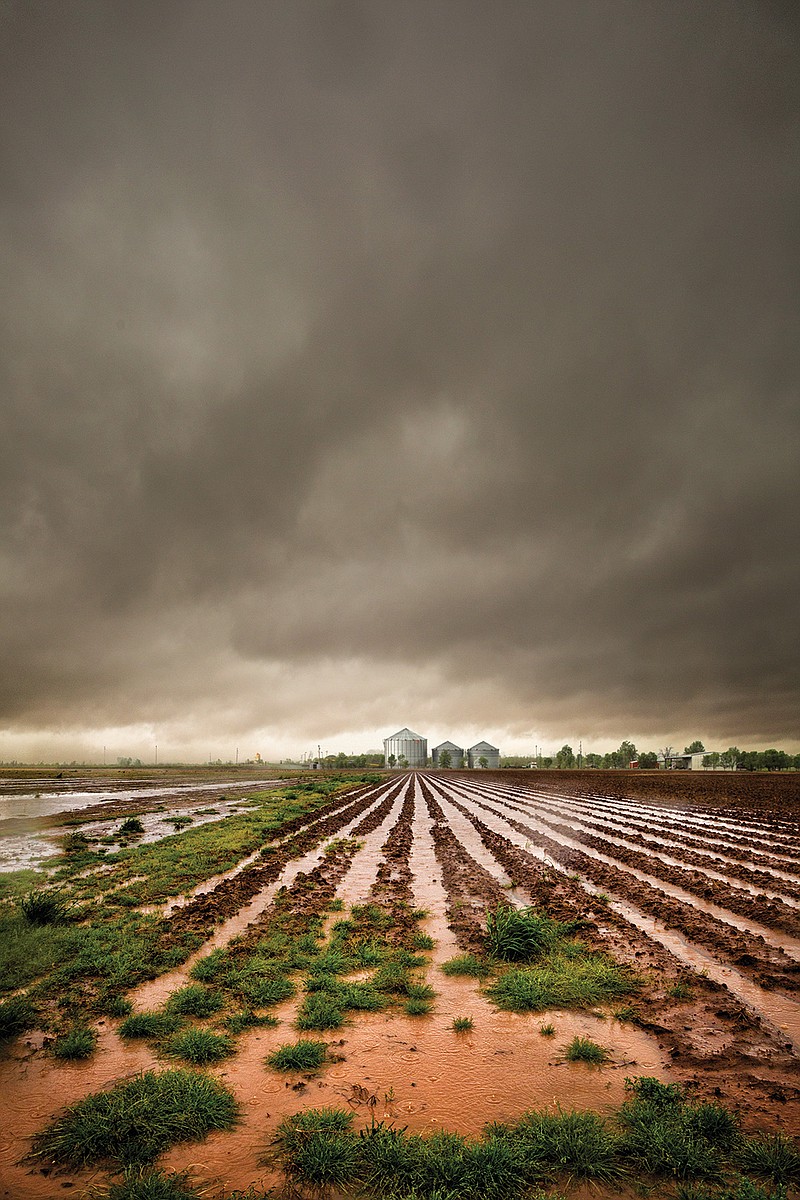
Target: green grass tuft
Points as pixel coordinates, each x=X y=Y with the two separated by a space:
x=466 y=964
x=135 y=1121
x=562 y=981
x=416 y=1007
x=138 y=1184
x=582 y=1049
x=462 y=1024
x=319 y=1011
x=304 y=1055
x=200 y=1046
x=522 y=934
x=16 y=1016
x=149 y=1025
x=80 y=1042
x=195 y=1001
x=771 y=1155
x=43 y=907
x=318 y=1146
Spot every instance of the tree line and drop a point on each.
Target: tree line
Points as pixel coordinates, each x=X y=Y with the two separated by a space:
x=732 y=759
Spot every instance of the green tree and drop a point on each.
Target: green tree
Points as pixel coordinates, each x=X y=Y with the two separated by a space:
x=402 y=761
x=445 y=759
x=695 y=748
x=730 y=758
x=626 y=754
x=648 y=761
x=392 y=760
x=483 y=761
x=565 y=757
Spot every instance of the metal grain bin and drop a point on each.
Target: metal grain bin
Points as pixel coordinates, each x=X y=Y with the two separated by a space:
x=405 y=744
x=483 y=750
x=456 y=754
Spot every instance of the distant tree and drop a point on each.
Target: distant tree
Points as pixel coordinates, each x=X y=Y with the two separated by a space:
x=545 y=762
x=695 y=748
x=402 y=761
x=565 y=757
x=626 y=754
x=667 y=754
x=483 y=761
x=711 y=760
x=730 y=758
x=594 y=760
x=445 y=759
x=776 y=760
x=648 y=760
x=391 y=760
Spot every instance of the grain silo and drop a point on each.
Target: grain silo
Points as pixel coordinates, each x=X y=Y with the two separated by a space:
x=456 y=754
x=407 y=747
x=483 y=750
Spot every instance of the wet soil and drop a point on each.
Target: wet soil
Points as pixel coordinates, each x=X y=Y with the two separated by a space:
x=457 y=845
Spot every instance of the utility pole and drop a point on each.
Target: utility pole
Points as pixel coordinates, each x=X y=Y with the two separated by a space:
x=156 y=754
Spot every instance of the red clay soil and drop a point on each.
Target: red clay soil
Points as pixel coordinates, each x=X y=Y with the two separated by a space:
x=717 y=1046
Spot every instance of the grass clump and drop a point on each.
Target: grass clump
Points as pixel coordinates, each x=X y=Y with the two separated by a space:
x=79 y=1042
x=118 y=1006
x=466 y=964
x=417 y=1007
x=584 y=1050
x=562 y=980
x=667 y=1136
x=16 y=1016
x=195 y=1001
x=247 y=1019
x=137 y=1184
x=149 y=1025
x=304 y=1055
x=771 y=1155
x=548 y=1030
x=522 y=934
x=135 y=1121
x=320 y=1011
x=46 y=907
x=318 y=1146
x=462 y=1024
x=201 y=1046
x=130 y=827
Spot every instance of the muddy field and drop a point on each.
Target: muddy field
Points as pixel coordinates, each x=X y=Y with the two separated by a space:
x=691 y=883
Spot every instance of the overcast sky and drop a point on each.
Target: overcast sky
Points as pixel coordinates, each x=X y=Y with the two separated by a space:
x=425 y=363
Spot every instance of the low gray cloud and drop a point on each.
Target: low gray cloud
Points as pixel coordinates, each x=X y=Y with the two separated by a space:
x=372 y=363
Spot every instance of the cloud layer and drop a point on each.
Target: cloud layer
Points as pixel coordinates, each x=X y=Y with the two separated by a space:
x=372 y=364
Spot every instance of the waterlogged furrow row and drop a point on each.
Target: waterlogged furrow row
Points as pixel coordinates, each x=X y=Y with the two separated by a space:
x=562 y=894
x=752 y=913
x=765 y=963
x=782 y=842
x=757 y=876
x=649 y=821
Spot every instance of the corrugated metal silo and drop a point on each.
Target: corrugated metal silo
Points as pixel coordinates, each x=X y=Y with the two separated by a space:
x=405 y=744
x=456 y=754
x=484 y=750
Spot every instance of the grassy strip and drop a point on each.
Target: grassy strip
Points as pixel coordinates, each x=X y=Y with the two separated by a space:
x=85 y=968
x=135 y=1121
x=658 y=1134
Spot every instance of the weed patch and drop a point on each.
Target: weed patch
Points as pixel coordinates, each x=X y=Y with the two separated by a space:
x=466 y=964
x=80 y=1042
x=304 y=1055
x=562 y=981
x=201 y=1046
x=135 y=1121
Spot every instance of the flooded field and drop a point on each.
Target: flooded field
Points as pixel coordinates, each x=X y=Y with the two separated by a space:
x=423 y=952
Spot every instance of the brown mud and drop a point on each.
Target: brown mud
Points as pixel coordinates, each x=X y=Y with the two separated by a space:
x=416 y=1071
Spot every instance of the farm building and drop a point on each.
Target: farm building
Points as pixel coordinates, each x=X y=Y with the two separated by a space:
x=483 y=750
x=683 y=762
x=456 y=754
x=407 y=747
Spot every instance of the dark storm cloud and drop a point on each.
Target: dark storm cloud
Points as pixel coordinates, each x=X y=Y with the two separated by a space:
x=367 y=355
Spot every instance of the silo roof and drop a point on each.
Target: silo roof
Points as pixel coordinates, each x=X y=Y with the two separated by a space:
x=449 y=746
x=485 y=746
x=405 y=733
